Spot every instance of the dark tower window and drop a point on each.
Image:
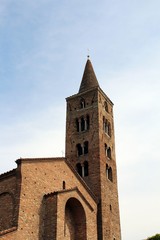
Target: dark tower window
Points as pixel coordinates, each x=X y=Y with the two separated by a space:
x=106 y=106
x=87 y=121
x=79 y=169
x=109 y=173
x=109 y=152
x=110 y=177
x=105 y=148
x=85 y=147
x=85 y=169
x=109 y=129
x=77 y=124
x=82 y=124
x=82 y=103
x=79 y=149
x=106 y=126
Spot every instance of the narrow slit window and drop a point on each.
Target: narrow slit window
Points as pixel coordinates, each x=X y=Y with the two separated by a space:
x=77 y=124
x=79 y=149
x=85 y=147
x=79 y=169
x=82 y=124
x=106 y=106
x=85 y=169
x=82 y=103
x=110 y=177
x=109 y=152
x=64 y=185
x=109 y=173
x=87 y=120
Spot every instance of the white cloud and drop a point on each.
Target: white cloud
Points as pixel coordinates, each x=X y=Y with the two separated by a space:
x=40 y=136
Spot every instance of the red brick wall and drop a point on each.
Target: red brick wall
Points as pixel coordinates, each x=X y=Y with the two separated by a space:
x=43 y=176
x=9 y=200
x=97 y=180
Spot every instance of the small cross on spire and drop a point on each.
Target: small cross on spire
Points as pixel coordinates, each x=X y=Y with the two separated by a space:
x=88 y=53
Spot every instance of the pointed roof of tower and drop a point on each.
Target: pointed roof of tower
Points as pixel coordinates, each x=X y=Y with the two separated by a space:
x=89 y=79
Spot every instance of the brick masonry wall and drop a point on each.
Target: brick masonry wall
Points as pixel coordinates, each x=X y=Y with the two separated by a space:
x=9 y=200
x=49 y=217
x=43 y=176
x=97 y=106
x=74 y=111
x=109 y=191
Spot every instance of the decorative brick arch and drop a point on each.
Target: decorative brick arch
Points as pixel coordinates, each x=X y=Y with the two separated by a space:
x=75 y=220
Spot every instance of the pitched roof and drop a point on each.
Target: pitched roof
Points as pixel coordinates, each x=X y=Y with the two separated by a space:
x=89 y=79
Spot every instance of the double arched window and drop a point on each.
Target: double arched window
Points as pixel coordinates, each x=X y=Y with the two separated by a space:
x=82 y=123
x=82 y=149
x=106 y=126
x=82 y=169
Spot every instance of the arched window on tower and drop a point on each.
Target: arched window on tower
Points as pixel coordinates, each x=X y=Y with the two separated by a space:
x=109 y=129
x=85 y=169
x=79 y=169
x=79 y=149
x=109 y=152
x=86 y=147
x=106 y=106
x=77 y=124
x=82 y=124
x=105 y=148
x=82 y=103
x=110 y=177
x=109 y=173
x=87 y=122
x=107 y=126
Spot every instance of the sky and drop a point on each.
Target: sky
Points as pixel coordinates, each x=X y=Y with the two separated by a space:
x=43 y=50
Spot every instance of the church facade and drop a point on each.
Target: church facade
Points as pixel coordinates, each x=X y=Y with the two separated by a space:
x=71 y=198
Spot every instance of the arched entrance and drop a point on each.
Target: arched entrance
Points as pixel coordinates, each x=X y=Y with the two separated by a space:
x=75 y=220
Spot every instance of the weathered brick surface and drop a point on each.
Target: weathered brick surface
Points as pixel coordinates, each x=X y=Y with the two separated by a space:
x=43 y=176
x=98 y=107
x=48 y=229
x=9 y=200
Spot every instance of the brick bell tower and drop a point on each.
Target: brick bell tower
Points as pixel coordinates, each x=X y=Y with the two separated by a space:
x=90 y=148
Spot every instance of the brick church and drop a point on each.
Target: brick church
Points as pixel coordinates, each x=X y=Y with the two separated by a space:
x=73 y=197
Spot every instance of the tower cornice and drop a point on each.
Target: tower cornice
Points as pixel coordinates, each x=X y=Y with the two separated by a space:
x=87 y=91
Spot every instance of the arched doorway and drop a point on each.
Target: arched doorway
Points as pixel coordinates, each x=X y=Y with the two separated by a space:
x=75 y=220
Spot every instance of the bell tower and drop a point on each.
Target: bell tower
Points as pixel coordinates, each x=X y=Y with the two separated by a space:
x=90 y=148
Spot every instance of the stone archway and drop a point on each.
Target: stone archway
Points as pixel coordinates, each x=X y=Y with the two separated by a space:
x=75 y=220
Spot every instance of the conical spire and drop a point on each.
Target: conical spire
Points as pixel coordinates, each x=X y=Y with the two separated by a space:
x=89 y=79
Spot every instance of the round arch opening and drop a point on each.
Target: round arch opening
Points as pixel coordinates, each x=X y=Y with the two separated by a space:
x=75 y=220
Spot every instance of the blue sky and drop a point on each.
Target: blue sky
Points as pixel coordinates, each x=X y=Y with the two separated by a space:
x=43 y=49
